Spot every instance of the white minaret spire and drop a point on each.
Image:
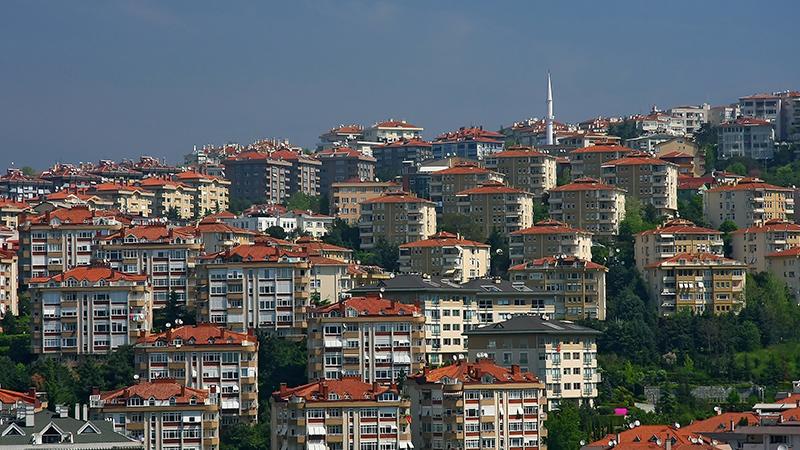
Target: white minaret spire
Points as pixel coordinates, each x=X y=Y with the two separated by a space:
x=550 y=117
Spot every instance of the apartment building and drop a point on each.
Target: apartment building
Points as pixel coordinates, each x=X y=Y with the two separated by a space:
x=753 y=244
x=212 y=192
x=747 y=202
x=673 y=237
x=577 y=286
x=690 y=118
x=649 y=180
x=315 y=247
x=525 y=168
x=392 y=131
x=446 y=183
x=496 y=207
x=589 y=204
x=10 y=211
x=61 y=239
x=89 y=310
x=588 y=161
x=561 y=354
x=547 y=238
x=447 y=255
x=329 y=279
x=343 y=134
x=170 y=198
x=217 y=236
x=697 y=282
x=258 y=177
x=162 y=414
x=373 y=338
x=206 y=357
x=255 y=286
x=397 y=218
x=126 y=198
x=9 y=283
x=166 y=255
x=785 y=264
x=347 y=196
x=688 y=156
x=473 y=143
x=393 y=157
x=746 y=137
x=303 y=174
x=342 y=164
x=477 y=405
x=17 y=186
x=765 y=107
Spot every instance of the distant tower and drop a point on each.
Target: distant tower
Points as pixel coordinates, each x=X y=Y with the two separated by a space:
x=549 y=120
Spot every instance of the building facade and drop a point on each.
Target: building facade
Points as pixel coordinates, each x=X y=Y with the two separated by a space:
x=747 y=202
x=447 y=255
x=548 y=238
x=171 y=198
x=746 y=137
x=347 y=196
x=342 y=164
x=588 y=161
x=303 y=174
x=472 y=143
x=393 y=157
x=752 y=245
x=397 y=218
x=392 y=131
x=588 y=204
x=446 y=183
x=496 y=207
x=258 y=178
x=649 y=180
x=674 y=237
x=9 y=283
x=126 y=198
x=525 y=168
x=212 y=192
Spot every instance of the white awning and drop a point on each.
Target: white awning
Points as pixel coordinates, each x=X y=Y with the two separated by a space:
x=405 y=444
x=519 y=411
x=402 y=341
x=316 y=446
x=316 y=430
x=333 y=343
x=383 y=340
x=402 y=358
x=488 y=411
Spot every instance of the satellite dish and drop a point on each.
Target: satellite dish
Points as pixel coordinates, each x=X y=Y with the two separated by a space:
x=631 y=426
x=136 y=377
x=677 y=425
x=583 y=443
x=637 y=423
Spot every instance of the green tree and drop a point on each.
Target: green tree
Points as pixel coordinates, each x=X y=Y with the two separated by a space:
x=727 y=227
x=173 y=215
x=29 y=171
x=343 y=235
x=276 y=232
x=461 y=224
x=626 y=129
x=692 y=209
x=171 y=312
x=564 y=428
x=737 y=168
x=499 y=256
x=236 y=205
x=383 y=254
x=303 y=202
x=540 y=210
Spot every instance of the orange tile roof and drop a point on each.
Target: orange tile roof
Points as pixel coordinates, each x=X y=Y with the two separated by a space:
x=769 y=227
x=406 y=143
x=680 y=226
x=585 y=184
x=159 y=389
x=749 y=184
x=216 y=227
x=9 y=397
x=150 y=233
x=637 y=161
x=492 y=187
x=694 y=259
x=471 y=133
x=602 y=149
x=313 y=246
x=253 y=253
x=92 y=274
x=347 y=389
x=444 y=239
x=690 y=182
x=190 y=175
x=79 y=214
x=114 y=187
x=200 y=334
x=722 y=422
x=517 y=152
x=6 y=203
x=369 y=307
x=746 y=122
x=550 y=226
x=395 y=124
x=653 y=437
x=462 y=169
x=472 y=373
x=559 y=261
x=348 y=152
x=397 y=197
x=792 y=252
x=153 y=182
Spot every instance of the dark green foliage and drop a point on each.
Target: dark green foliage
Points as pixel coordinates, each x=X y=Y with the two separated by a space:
x=343 y=235
x=237 y=204
x=737 y=168
x=276 y=232
x=627 y=129
x=304 y=202
x=29 y=171
x=564 y=428
x=500 y=260
x=692 y=209
x=171 y=312
x=727 y=227
x=382 y=254
x=540 y=209
x=461 y=224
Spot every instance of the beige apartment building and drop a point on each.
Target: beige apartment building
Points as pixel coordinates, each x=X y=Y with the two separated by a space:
x=347 y=196
x=588 y=161
x=167 y=256
x=445 y=184
x=61 y=239
x=373 y=338
x=588 y=204
x=547 y=238
x=477 y=405
x=495 y=206
x=89 y=310
x=578 y=286
x=748 y=202
x=561 y=354
x=650 y=180
x=171 y=197
x=211 y=192
x=218 y=236
x=397 y=218
x=447 y=255
x=126 y=198
x=673 y=237
x=752 y=245
x=697 y=282
x=525 y=168
x=329 y=279
x=9 y=283
x=340 y=415
x=161 y=414
x=785 y=264
x=206 y=357
x=10 y=212
x=255 y=286
x=689 y=153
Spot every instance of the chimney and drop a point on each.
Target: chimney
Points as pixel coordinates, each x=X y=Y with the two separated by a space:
x=62 y=410
x=77 y=413
x=668 y=443
x=375 y=386
x=282 y=388
x=733 y=426
x=29 y=411
x=515 y=369
x=95 y=391
x=85 y=415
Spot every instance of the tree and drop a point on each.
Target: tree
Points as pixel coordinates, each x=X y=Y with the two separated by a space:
x=173 y=215
x=383 y=254
x=461 y=224
x=343 y=235
x=303 y=202
x=500 y=260
x=564 y=428
x=28 y=171
x=627 y=129
x=540 y=209
x=727 y=227
x=171 y=312
x=236 y=205
x=276 y=232
x=692 y=209
x=737 y=168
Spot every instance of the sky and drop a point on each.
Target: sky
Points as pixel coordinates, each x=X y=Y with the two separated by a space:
x=89 y=80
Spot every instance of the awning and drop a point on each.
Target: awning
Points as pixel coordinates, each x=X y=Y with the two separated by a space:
x=405 y=444
x=488 y=411
x=402 y=341
x=403 y=358
x=333 y=343
x=316 y=446
x=283 y=429
x=316 y=430
x=519 y=411
x=285 y=445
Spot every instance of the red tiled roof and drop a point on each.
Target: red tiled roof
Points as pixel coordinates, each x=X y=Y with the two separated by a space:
x=693 y=258
x=789 y=252
x=395 y=124
x=550 y=226
x=9 y=397
x=472 y=134
x=517 y=152
x=637 y=161
x=76 y=215
x=722 y=422
x=159 y=389
x=443 y=239
x=10 y=204
x=91 y=274
x=749 y=184
x=189 y=175
x=462 y=169
x=676 y=154
x=492 y=187
x=215 y=227
x=407 y=143
x=558 y=261
x=200 y=334
x=690 y=182
x=472 y=373
x=746 y=121
x=313 y=246
x=150 y=233
x=114 y=187
x=348 y=129
x=770 y=226
x=370 y=306
x=253 y=253
x=347 y=389
x=397 y=197
x=647 y=437
x=159 y=182
x=602 y=149
x=680 y=226
x=763 y=96
x=585 y=184
x=340 y=152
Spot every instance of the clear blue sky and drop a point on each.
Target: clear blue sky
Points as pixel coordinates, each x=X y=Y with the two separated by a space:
x=84 y=80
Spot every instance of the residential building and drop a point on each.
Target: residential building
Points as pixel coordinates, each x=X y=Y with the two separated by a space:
x=341 y=135
x=689 y=157
x=674 y=237
x=724 y=113
x=689 y=119
x=496 y=207
x=373 y=338
x=342 y=164
x=658 y=122
x=392 y=131
x=577 y=286
x=588 y=204
x=128 y=199
x=61 y=239
x=473 y=143
x=561 y=354
x=447 y=255
x=114 y=173
x=785 y=265
x=648 y=142
x=748 y=202
x=746 y=137
x=396 y=218
x=212 y=192
x=649 y=180
x=17 y=186
x=314 y=224
x=312 y=246
x=753 y=244
x=329 y=279
x=548 y=238
x=588 y=161
x=763 y=107
x=339 y=414
x=567 y=141
x=697 y=282
x=347 y=196
x=255 y=286
x=89 y=310
x=217 y=235
x=10 y=212
x=446 y=183
x=67 y=199
x=303 y=174
x=417 y=178
x=477 y=405
x=525 y=168
x=207 y=357
x=69 y=177
x=171 y=198
x=258 y=177
x=393 y=157
x=791 y=116
x=166 y=255
x=161 y=414
x=9 y=283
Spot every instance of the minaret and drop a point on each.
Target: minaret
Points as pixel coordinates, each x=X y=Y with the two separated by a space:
x=549 y=120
